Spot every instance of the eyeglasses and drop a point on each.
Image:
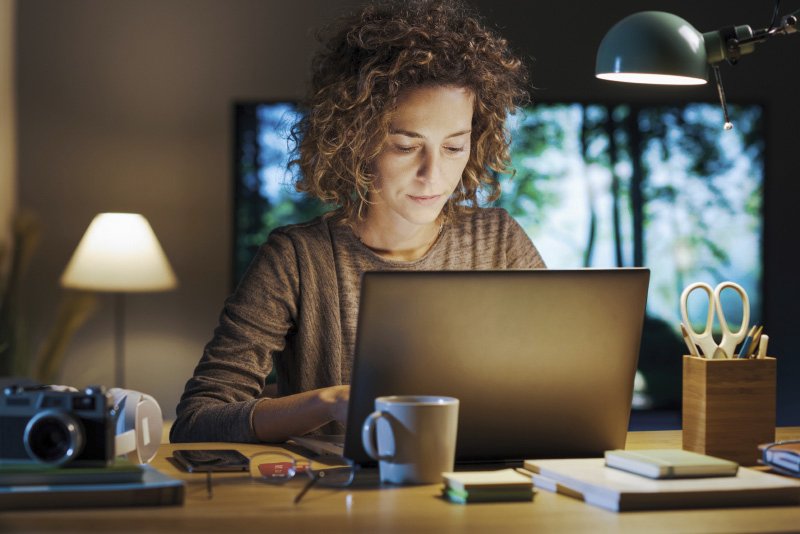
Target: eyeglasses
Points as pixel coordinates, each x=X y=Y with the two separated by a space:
x=278 y=468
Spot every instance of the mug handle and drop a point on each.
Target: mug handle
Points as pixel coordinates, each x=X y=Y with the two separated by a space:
x=368 y=437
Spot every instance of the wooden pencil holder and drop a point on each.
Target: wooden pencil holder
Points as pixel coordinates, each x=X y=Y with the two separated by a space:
x=728 y=406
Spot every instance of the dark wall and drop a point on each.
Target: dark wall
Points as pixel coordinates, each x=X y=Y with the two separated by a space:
x=125 y=105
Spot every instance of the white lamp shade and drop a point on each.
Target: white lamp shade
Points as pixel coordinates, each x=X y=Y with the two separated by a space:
x=119 y=252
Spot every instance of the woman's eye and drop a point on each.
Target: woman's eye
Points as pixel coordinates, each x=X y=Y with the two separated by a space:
x=455 y=149
x=405 y=148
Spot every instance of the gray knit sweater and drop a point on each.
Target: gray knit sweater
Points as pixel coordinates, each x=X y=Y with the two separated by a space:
x=296 y=310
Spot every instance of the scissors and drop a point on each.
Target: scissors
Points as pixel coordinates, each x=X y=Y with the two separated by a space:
x=727 y=345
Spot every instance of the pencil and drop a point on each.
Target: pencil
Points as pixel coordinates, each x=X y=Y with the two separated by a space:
x=689 y=343
x=754 y=343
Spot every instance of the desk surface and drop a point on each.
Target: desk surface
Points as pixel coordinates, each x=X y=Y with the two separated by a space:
x=239 y=505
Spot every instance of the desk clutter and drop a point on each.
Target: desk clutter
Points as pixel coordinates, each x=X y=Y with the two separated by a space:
x=729 y=408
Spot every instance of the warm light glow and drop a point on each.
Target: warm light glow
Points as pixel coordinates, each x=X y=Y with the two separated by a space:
x=119 y=252
x=647 y=78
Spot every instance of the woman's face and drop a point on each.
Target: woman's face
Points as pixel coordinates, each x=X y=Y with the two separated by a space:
x=424 y=156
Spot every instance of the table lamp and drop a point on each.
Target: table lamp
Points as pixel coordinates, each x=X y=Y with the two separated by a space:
x=653 y=47
x=119 y=253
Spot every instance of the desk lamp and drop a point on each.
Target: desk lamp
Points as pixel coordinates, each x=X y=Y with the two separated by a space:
x=653 y=47
x=119 y=253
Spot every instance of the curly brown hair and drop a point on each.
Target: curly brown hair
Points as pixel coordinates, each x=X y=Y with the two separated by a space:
x=368 y=60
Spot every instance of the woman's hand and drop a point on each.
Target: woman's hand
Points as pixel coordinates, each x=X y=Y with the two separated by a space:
x=336 y=398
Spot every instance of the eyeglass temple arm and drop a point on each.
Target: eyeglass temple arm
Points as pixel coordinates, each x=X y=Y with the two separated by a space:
x=308 y=486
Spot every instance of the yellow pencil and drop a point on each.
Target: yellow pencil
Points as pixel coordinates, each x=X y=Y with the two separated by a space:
x=753 y=344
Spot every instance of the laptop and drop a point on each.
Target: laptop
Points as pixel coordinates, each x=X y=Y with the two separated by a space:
x=542 y=361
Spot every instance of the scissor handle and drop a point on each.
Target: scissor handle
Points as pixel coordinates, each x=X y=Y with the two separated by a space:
x=723 y=323
x=684 y=308
x=703 y=339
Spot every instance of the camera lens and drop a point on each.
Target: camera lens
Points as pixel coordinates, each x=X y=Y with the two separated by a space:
x=53 y=437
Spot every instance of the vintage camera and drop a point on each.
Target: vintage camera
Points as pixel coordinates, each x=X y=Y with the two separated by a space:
x=55 y=427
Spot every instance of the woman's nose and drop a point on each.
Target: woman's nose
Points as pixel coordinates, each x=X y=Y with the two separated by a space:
x=429 y=168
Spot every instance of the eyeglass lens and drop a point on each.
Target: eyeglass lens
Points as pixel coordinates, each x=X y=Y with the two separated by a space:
x=277 y=468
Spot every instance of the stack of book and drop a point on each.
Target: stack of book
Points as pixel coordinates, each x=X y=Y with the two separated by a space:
x=592 y=481
x=487 y=486
x=35 y=486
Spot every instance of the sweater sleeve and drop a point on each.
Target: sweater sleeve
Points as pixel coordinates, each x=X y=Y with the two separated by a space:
x=218 y=401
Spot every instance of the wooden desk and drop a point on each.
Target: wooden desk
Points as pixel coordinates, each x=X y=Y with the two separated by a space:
x=238 y=505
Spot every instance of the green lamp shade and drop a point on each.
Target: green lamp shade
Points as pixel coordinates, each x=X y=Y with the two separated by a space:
x=653 y=47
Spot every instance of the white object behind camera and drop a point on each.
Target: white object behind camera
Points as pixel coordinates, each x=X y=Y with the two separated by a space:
x=138 y=424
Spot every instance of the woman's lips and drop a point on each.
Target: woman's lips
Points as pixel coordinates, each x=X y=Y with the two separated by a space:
x=425 y=199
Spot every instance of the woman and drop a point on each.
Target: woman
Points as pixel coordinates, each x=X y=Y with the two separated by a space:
x=404 y=130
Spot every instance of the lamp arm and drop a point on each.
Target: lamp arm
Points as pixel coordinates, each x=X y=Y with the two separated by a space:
x=789 y=22
x=729 y=44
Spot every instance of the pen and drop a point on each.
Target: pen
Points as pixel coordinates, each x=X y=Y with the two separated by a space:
x=747 y=342
x=762 y=347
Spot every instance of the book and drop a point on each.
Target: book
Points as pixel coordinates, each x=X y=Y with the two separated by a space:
x=502 y=479
x=122 y=470
x=782 y=455
x=670 y=463
x=154 y=489
x=464 y=497
x=590 y=480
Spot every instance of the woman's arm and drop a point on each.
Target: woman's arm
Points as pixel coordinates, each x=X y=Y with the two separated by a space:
x=274 y=420
x=221 y=399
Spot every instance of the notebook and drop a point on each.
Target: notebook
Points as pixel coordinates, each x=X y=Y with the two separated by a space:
x=542 y=361
x=670 y=463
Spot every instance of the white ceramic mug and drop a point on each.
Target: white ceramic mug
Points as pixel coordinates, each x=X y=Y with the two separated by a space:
x=413 y=437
